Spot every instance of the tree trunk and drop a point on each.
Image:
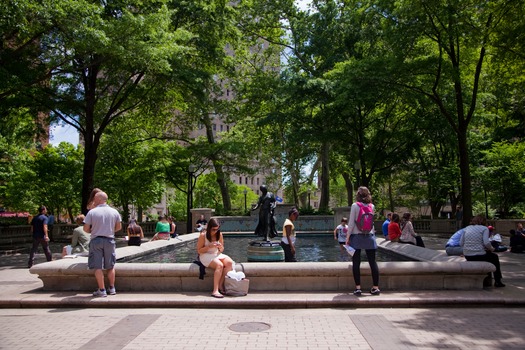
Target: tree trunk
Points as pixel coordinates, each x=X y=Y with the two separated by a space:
x=221 y=175
x=466 y=195
x=349 y=184
x=325 y=178
x=88 y=173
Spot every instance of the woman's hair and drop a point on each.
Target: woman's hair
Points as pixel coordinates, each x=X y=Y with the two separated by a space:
x=92 y=197
x=133 y=227
x=80 y=219
x=293 y=211
x=211 y=224
x=405 y=219
x=395 y=217
x=478 y=220
x=363 y=195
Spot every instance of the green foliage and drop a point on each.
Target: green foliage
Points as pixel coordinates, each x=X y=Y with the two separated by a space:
x=503 y=175
x=51 y=177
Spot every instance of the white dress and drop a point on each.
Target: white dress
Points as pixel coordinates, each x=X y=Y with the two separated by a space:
x=211 y=254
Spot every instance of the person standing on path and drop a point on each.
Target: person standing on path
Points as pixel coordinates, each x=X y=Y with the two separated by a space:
x=361 y=240
x=40 y=236
x=340 y=233
x=102 y=222
x=289 y=236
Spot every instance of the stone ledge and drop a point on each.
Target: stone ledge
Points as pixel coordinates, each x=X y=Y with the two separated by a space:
x=73 y=275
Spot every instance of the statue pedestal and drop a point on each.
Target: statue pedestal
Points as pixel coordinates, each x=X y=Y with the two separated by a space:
x=265 y=251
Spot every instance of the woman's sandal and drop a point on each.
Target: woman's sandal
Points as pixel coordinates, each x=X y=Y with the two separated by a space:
x=217 y=295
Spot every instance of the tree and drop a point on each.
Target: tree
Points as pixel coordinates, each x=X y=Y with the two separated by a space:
x=442 y=49
x=52 y=177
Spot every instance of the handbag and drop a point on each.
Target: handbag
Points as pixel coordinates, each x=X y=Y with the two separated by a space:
x=236 y=288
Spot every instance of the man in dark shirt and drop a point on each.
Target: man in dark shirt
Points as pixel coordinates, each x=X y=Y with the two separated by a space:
x=201 y=223
x=40 y=236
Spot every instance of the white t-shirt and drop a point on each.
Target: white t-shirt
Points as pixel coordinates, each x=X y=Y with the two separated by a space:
x=288 y=222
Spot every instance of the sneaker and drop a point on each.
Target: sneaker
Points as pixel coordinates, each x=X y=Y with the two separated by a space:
x=499 y=284
x=112 y=291
x=100 y=293
x=375 y=291
x=357 y=292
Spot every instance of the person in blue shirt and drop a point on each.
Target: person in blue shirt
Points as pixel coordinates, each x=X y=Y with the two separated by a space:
x=453 y=246
x=39 y=231
x=384 y=228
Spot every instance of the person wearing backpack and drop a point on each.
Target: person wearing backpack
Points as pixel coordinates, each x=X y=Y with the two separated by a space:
x=362 y=236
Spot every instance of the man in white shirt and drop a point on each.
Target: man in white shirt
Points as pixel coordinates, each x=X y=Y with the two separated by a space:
x=102 y=222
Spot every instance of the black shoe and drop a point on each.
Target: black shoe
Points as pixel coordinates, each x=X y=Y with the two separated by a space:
x=499 y=284
x=375 y=291
x=357 y=292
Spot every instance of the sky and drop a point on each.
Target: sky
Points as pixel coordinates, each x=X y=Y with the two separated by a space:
x=63 y=134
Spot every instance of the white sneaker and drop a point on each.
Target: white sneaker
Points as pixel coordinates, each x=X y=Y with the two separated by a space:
x=100 y=293
x=112 y=291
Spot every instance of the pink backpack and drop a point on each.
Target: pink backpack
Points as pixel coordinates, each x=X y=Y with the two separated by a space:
x=365 y=218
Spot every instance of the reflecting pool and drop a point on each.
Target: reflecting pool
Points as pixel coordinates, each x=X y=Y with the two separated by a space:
x=309 y=248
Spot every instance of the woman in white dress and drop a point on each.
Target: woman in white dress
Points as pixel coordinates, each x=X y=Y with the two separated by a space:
x=210 y=247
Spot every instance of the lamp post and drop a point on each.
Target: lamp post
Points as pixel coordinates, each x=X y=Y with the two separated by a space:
x=245 y=191
x=189 y=224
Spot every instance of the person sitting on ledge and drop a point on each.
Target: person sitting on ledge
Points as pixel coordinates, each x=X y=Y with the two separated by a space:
x=453 y=246
x=79 y=240
x=408 y=235
x=135 y=233
x=394 y=231
x=210 y=247
x=162 y=229
x=476 y=247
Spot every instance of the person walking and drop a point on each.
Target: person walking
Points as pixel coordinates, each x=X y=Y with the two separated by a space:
x=102 y=222
x=362 y=237
x=40 y=236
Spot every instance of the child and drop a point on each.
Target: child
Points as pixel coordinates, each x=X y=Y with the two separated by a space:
x=340 y=233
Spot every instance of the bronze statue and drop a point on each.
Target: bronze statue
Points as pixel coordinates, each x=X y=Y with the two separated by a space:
x=266 y=225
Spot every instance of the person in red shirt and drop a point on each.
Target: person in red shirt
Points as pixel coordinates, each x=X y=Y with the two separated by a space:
x=394 y=231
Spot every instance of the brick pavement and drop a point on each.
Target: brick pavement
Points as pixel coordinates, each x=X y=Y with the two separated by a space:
x=140 y=329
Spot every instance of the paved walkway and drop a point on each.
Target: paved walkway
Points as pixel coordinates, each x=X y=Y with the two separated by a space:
x=30 y=318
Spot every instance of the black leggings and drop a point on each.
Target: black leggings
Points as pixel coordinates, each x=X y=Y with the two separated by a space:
x=356 y=266
x=491 y=258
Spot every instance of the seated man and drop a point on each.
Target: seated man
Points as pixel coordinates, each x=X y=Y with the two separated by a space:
x=495 y=241
x=453 y=246
x=201 y=223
